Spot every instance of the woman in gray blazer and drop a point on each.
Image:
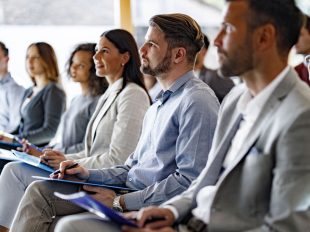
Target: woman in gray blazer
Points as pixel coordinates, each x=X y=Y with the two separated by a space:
x=44 y=102
x=112 y=132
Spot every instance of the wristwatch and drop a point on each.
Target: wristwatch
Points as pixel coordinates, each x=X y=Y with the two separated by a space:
x=117 y=205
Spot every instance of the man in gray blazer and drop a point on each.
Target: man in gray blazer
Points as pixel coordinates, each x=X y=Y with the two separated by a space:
x=257 y=177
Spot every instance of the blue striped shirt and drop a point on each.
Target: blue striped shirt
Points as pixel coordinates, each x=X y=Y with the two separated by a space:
x=173 y=148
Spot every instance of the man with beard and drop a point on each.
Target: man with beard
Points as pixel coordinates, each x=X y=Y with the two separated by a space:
x=258 y=173
x=175 y=141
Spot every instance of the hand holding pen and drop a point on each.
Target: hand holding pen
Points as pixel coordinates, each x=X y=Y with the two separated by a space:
x=29 y=148
x=70 y=167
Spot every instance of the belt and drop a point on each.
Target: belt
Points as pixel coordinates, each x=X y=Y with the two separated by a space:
x=196 y=225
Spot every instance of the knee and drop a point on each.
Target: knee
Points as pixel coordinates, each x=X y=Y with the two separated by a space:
x=66 y=224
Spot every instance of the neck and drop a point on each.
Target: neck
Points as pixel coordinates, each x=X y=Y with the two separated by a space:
x=114 y=77
x=263 y=74
x=166 y=80
x=85 y=88
x=3 y=73
x=41 y=81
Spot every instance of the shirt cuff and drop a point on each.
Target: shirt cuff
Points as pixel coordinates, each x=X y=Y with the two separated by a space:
x=173 y=210
x=133 y=201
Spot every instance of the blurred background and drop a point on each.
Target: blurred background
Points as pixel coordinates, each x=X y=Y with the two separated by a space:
x=65 y=23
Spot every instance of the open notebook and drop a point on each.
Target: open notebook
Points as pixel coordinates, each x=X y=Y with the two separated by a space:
x=85 y=201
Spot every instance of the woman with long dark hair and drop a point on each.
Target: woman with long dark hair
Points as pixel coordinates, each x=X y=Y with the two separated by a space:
x=113 y=131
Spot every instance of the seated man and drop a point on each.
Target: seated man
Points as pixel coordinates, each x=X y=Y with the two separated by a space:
x=220 y=85
x=175 y=141
x=11 y=95
x=257 y=177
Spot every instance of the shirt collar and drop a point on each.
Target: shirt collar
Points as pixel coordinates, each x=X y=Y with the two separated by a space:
x=4 y=79
x=251 y=107
x=163 y=96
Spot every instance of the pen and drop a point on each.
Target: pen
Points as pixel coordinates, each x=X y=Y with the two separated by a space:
x=68 y=167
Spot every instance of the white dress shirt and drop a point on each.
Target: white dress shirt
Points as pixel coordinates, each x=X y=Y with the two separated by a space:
x=249 y=107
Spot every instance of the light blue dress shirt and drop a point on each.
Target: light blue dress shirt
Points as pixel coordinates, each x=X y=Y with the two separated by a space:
x=173 y=148
x=11 y=95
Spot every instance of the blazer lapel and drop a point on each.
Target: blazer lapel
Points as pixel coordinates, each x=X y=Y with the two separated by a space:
x=106 y=106
x=88 y=134
x=265 y=117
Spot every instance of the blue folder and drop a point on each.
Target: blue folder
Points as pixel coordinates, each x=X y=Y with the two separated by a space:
x=32 y=160
x=85 y=201
x=114 y=187
x=9 y=146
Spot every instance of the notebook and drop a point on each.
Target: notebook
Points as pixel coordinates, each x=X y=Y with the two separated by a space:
x=85 y=201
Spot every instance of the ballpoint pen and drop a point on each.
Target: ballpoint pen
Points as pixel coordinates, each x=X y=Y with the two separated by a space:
x=68 y=167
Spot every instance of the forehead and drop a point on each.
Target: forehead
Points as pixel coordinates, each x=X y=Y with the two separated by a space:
x=105 y=42
x=236 y=12
x=155 y=34
x=81 y=55
x=33 y=50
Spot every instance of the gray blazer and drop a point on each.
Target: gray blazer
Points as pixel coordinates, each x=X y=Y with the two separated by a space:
x=118 y=130
x=41 y=116
x=268 y=187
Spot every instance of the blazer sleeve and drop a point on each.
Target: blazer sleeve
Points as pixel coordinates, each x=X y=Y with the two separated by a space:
x=54 y=100
x=131 y=108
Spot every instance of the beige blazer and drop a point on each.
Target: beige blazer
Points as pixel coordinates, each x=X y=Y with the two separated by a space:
x=269 y=185
x=117 y=132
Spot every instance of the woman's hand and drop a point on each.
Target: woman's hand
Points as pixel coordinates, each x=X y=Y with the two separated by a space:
x=52 y=158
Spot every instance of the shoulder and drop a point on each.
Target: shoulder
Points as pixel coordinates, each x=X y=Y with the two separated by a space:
x=55 y=88
x=134 y=90
x=196 y=90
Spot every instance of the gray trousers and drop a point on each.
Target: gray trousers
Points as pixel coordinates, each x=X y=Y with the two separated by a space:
x=91 y=222
x=40 y=209
x=14 y=180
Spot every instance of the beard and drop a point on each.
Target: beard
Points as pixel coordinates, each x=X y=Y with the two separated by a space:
x=238 y=61
x=162 y=67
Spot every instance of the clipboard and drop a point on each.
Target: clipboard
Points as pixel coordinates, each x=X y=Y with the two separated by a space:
x=9 y=146
x=113 y=187
x=85 y=201
x=32 y=160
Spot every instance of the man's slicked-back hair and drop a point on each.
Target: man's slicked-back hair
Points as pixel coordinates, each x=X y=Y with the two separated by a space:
x=283 y=14
x=180 y=30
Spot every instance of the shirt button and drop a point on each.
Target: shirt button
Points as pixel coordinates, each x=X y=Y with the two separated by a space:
x=130 y=179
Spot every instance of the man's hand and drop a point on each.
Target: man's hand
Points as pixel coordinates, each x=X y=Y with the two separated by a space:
x=105 y=196
x=52 y=158
x=146 y=215
x=78 y=171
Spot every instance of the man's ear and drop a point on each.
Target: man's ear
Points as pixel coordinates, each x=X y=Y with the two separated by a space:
x=265 y=37
x=179 y=54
